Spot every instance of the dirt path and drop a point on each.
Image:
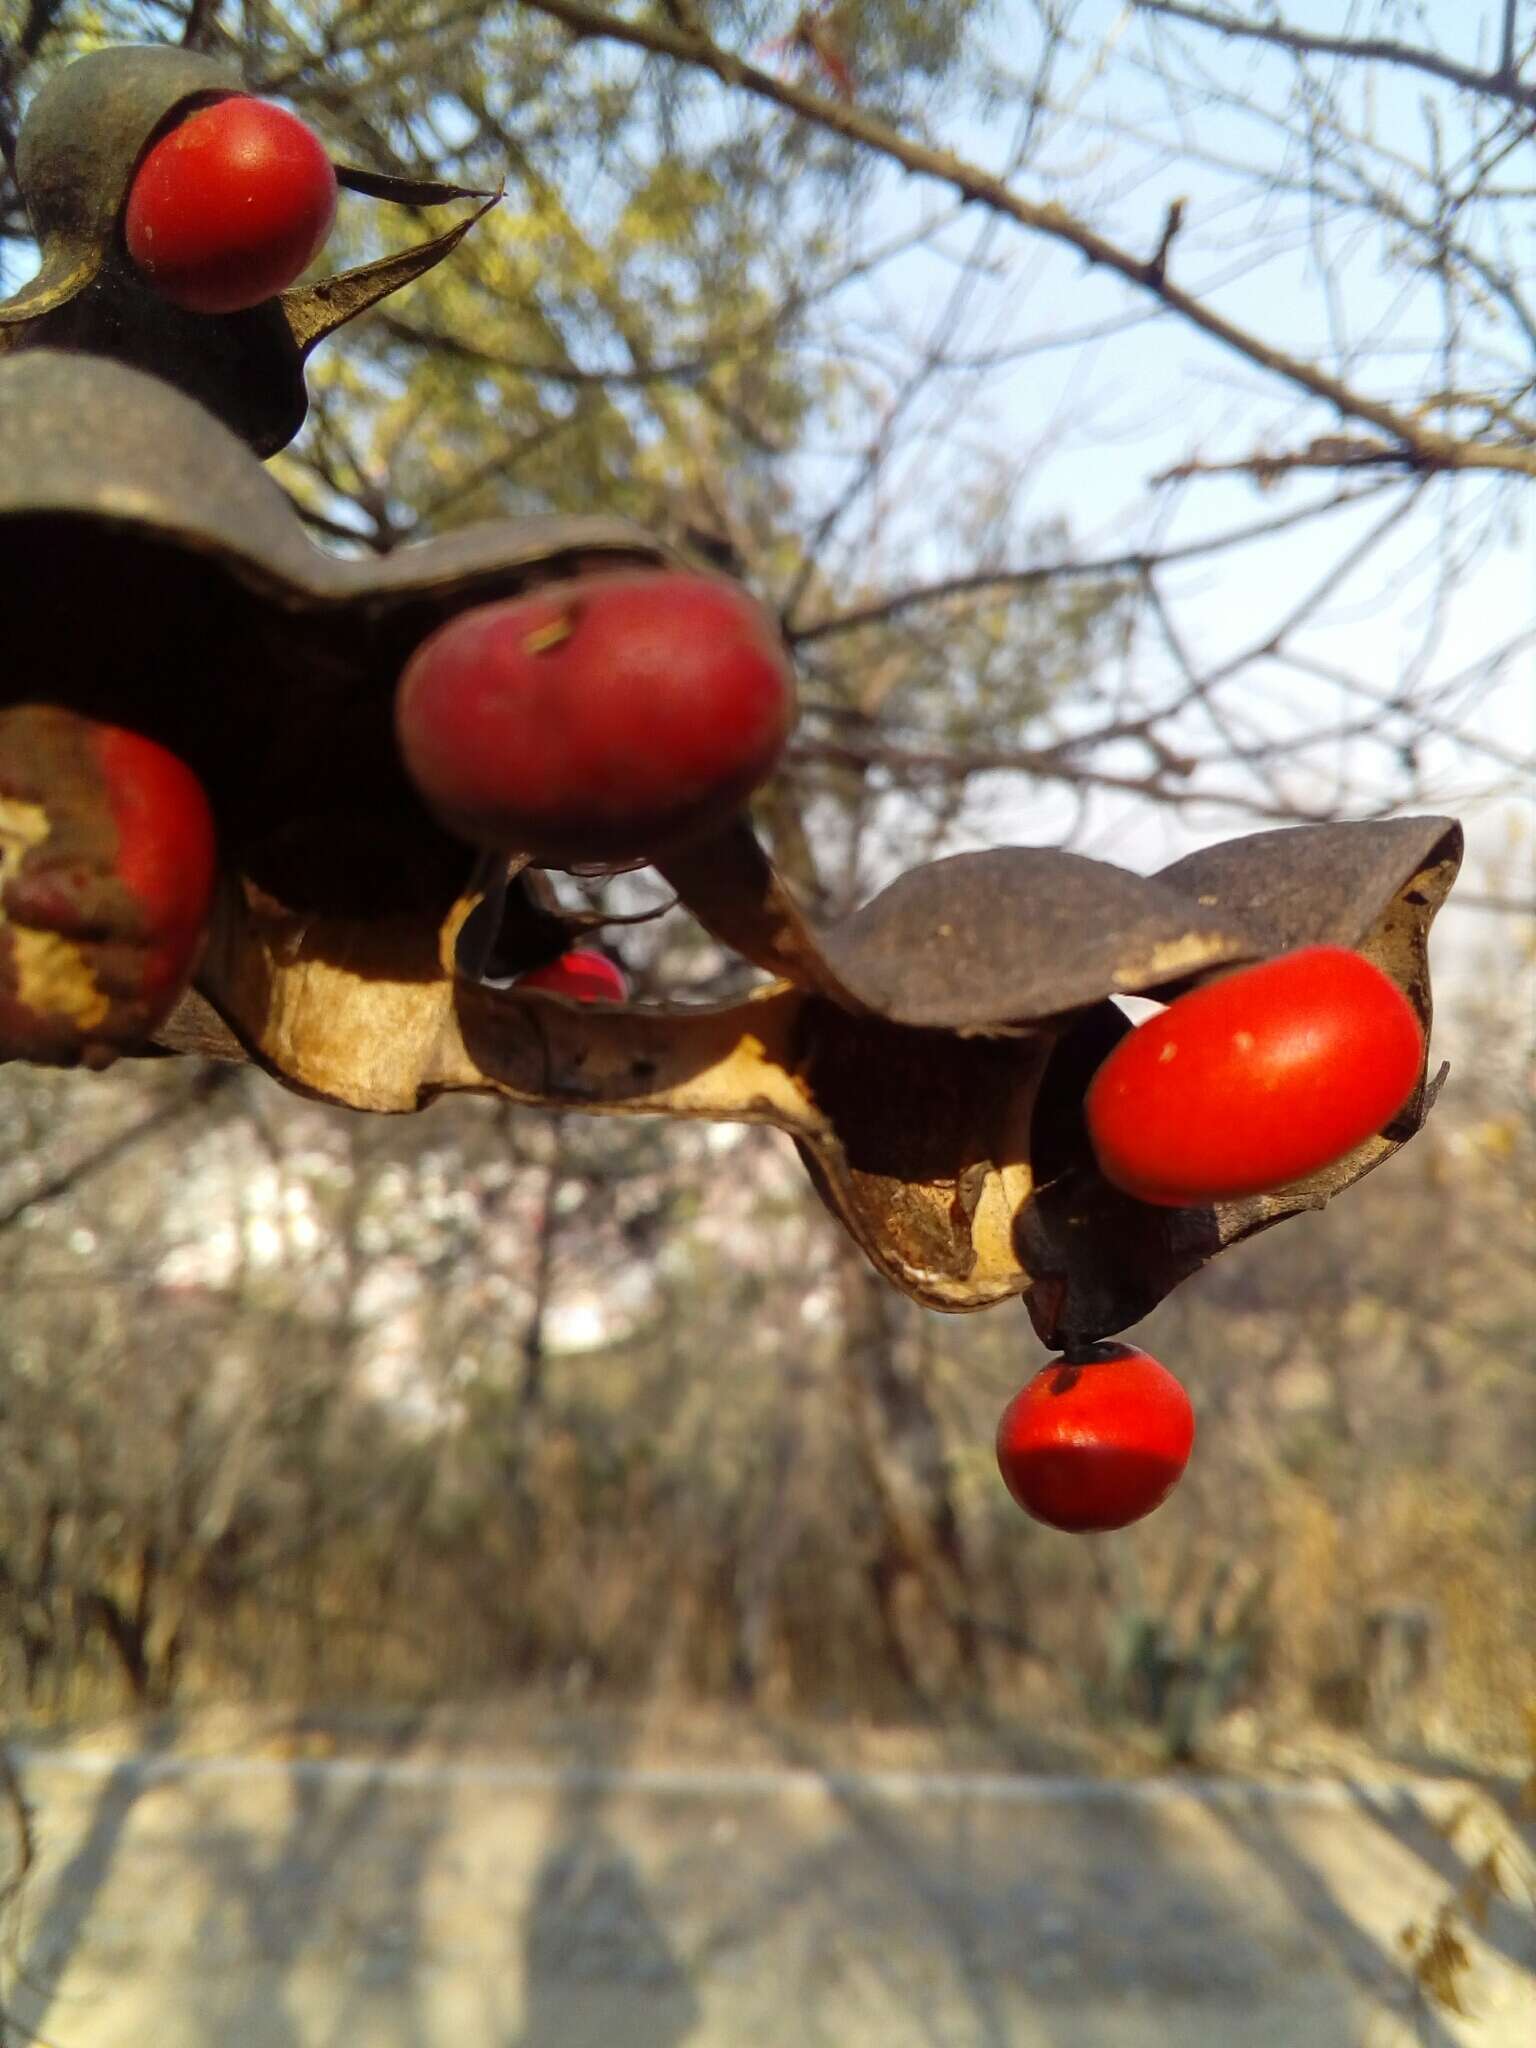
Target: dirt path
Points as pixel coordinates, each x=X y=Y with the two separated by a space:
x=407 y=1902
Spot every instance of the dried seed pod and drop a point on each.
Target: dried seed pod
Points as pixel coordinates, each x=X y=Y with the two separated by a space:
x=929 y=1055
x=1102 y=1259
x=106 y=874
x=957 y=1162
x=84 y=136
x=268 y=664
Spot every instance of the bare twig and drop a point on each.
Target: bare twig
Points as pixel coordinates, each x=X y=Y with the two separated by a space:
x=1507 y=45
x=1326 y=451
x=207 y=1084
x=1056 y=764
x=1427 y=448
x=1500 y=84
x=201 y=28
x=1171 y=226
x=1132 y=563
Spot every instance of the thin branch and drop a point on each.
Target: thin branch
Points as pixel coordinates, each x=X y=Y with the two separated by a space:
x=1428 y=449
x=202 y=25
x=1135 y=563
x=1048 y=763
x=1325 y=451
x=14 y=58
x=335 y=529
x=681 y=370
x=1318 y=593
x=14 y=1799
x=204 y=1088
x=1171 y=226
x=1502 y=84
x=1421 y=710
x=873 y=459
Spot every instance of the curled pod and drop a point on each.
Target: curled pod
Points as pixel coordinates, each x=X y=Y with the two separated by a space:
x=106 y=874
x=174 y=259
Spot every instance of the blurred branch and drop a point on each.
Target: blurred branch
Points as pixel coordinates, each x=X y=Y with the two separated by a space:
x=209 y=1083
x=1503 y=83
x=14 y=57
x=1055 y=764
x=1137 y=563
x=1500 y=905
x=684 y=369
x=1327 y=451
x=1422 y=447
x=202 y=25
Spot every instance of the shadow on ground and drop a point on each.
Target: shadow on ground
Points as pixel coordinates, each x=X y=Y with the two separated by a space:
x=412 y=1901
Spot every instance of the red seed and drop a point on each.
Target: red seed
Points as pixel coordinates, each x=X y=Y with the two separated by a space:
x=582 y=975
x=231 y=206
x=1256 y=1080
x=107 y=863
x=1097 y=1441
x=602 y=720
